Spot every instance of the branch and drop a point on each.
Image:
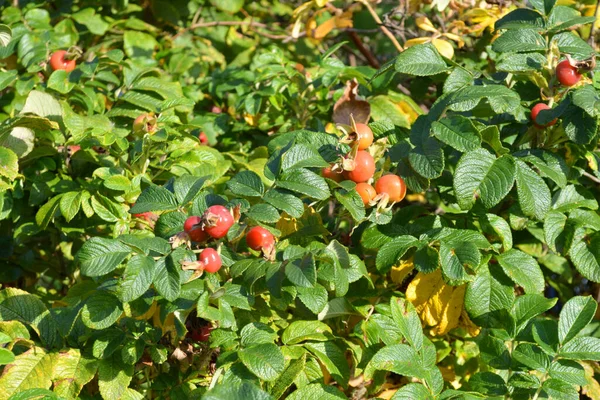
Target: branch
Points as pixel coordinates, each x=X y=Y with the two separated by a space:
x=590 y=177
x=364 y=51
x=385 y=30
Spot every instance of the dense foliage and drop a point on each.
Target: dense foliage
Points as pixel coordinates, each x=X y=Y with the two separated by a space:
x=324 y=200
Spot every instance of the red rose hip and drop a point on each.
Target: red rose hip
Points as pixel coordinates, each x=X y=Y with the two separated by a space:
x=211 y=260
x=567 y=74
x=536 y=110
x=58 y=61
x=364 y=167
x=217 y=220
x=258 y=238
x=393 y=186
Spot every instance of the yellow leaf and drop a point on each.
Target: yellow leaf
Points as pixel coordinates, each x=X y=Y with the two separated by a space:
x=455 y=38
x=303 y=8
x=480 y=19
x=425 y=24
x=466 y=323
x=339 y=21
x=251 y=120
x=321 y=3
x=439 y=306
x=419 y=40
x=444 y=48
x=400 y=272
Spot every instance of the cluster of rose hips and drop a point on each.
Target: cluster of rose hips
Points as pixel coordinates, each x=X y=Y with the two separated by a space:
x=359 y=166
x=215 y=223
x=568 y=73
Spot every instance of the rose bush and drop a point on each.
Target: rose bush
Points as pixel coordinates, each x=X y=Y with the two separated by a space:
x=211 y=205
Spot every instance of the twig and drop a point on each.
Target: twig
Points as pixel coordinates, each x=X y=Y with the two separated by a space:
x=364 y=51
x=385 y=30
x=590 y=177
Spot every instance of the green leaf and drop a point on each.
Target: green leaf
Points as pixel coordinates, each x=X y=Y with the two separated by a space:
x=494 y=352
x=18 y=305
x=99 y=256
x=101 y=310
x=46 y=213
x=304 y=182
x=523 y=270
x=246 y=183
x=500 y=98
x=60 y=81
x=479 y=173
x=554 y=225
x=400 y=359
x=230 y=6
x=391 y=252
x=7 y=78
x=167 y=274
x=521 y=18
x=285 y=201
x=572 y=44
x=6 y=356
x=256 y=333
x=5 y=35
x=302 y=156
x=420 y=60
x=29 y=370
x=579 y=126
x=545 y=334
x=454 y=257
x=557 y=389
x=412 y=391
x=528 y=306
x=137 y=278
x=532 y=191
x=9 y=163
x=585 y=255
x=333 y=359
x=302 y=272
x=426 y=259
x=543 y=6
x=407 y=320
x=244 y=390
x=491 y=136
x=70 y=203
x=352 y=202
x=488 y=293
x=498 y=226
x=264 y=360
x=88 y=18
x=317 y=391
x=571 y=197
x=488 y=383
x=315 y=298
x=520 y=62
x=73 y=371
x=263 y=213
x=457 y=131
x=587 y=99
x=582 y=348
x=549 y=164
x=110 y=341
x=519 y=41
x=427 y=158
x=154 y=198
x=568 y=371
x=118 y=182
x=574 y=316
x=114 y=376
x=288 y=376
x=299 y=331
x=531 y=356
x=138 y=44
